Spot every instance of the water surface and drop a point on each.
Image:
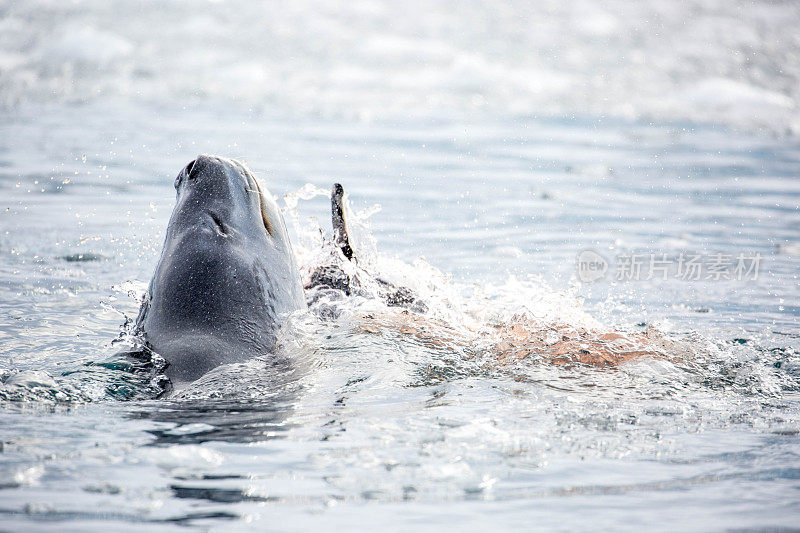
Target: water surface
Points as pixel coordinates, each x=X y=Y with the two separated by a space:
x=490 y=182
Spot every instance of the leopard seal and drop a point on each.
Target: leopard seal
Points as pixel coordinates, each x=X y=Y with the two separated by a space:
x=226 y=276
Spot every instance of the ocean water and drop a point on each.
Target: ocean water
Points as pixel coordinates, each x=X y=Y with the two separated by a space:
x=489 y=152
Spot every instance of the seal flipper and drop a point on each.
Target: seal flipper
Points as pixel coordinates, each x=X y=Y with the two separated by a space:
x=332 y=281
x=328 y=279
x=340 y=236
x=394 y=296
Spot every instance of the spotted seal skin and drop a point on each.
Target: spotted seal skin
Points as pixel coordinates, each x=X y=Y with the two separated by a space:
x=227 y=274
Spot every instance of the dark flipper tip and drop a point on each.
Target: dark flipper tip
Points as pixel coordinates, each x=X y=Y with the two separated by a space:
x=340 y=236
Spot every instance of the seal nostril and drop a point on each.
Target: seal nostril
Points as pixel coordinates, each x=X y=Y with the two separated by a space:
x=189 y=169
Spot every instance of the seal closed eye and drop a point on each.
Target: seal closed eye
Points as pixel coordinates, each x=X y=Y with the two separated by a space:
x=226 y=276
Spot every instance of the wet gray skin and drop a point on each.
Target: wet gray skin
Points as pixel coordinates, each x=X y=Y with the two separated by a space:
x=226 y=277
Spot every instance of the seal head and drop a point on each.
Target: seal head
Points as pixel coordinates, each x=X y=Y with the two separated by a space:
x=226 y=276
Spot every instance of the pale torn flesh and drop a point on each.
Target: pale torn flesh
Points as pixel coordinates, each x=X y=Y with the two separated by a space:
x=521 y=339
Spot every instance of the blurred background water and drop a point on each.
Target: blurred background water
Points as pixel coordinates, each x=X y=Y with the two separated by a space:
x=500 y=140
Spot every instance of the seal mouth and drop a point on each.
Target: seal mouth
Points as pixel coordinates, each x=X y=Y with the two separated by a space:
x=219 y=226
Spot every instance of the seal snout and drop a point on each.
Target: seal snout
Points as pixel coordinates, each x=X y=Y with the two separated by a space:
x=203 y=165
